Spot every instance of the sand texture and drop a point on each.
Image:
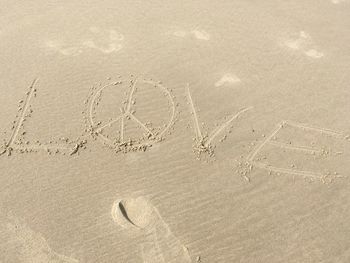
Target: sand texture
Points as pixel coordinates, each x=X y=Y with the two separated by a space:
x=175 y=131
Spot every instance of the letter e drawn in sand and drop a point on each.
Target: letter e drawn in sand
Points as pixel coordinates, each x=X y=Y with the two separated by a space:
x=203 y=143
x=122 y=144
x=160 y=244
x=17 y=141
x=312 y=176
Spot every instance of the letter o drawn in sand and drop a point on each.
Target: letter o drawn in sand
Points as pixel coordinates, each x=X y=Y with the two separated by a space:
x=131 y=212
x=120 y=143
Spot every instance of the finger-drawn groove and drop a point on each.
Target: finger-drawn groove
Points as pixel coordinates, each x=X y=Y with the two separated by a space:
x=252 y=155
x=92 y=101
x=296 y=148
x=224 y=125
x=132 y=116
x=198 y=132
x=312 y=128
x=108 y=124
x=122 y=128
x=131 y=94
x=271 y=168
x=22 y=115
x=173 y=107
x=42 y=147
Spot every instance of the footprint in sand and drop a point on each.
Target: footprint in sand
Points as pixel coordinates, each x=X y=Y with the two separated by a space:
x=61 y=48
x=180 y=33
x=313 y=53
x=227 y=79
x=304 y=44
x=28 y=246
x=201 y=34
x=296 y=44
x=198 y=34
x=337 y=1
x=106 y=41
x=160 y=245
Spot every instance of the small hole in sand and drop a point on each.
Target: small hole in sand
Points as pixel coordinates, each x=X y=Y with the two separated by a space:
x=124 y=213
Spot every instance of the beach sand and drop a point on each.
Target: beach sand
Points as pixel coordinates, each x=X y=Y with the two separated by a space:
x=174 y=131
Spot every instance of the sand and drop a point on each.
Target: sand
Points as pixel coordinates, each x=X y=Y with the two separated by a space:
x=174 y=131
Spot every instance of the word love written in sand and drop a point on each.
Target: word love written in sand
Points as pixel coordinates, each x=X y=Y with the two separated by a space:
x=125 y=120
x=137 y=131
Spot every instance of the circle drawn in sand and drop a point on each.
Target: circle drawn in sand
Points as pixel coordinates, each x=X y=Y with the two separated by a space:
x=132 y=212
x=127 y=114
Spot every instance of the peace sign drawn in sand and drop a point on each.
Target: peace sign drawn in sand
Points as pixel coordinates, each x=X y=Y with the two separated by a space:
x=122 y=143
x=160 y=245
x=17 y=141
x=203 y=143
x=253 y=160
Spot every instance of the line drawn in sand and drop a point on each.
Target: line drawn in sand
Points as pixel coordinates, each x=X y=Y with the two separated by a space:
x=251 y=160
x=150 y=136
x=203 y=143
x=30 y=246
x=18 y=143
x=160 y=245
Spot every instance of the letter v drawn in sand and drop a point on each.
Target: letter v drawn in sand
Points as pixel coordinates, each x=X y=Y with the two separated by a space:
x=325 y=177
x=127 y=113
x=160 y=244
x=17 y=141
x=203 y=143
